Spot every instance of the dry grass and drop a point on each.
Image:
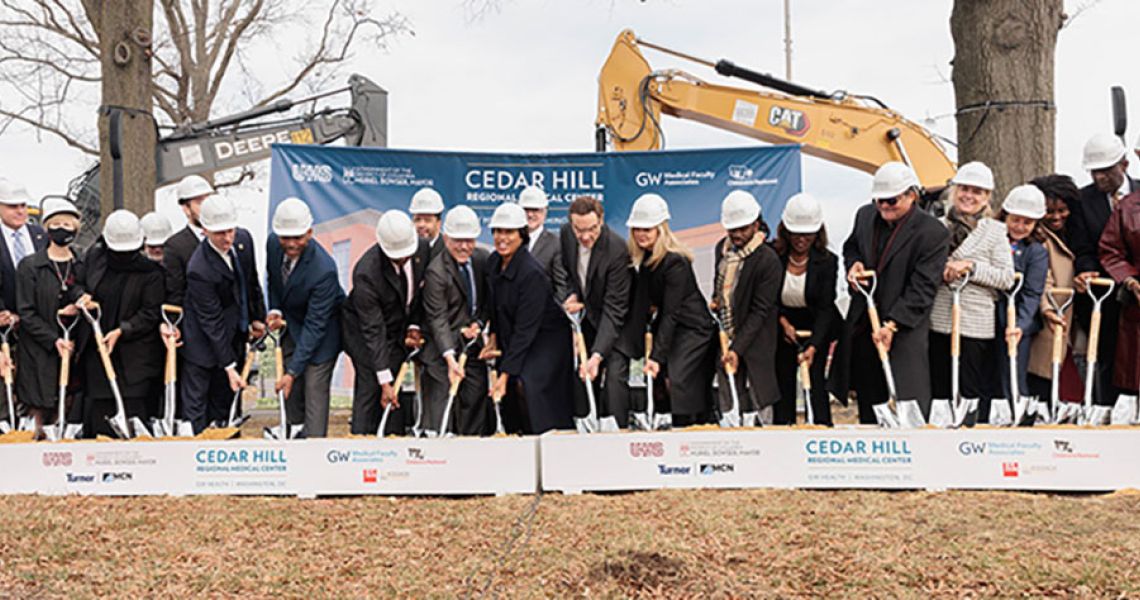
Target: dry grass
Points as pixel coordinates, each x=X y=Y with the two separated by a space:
x=670 y=543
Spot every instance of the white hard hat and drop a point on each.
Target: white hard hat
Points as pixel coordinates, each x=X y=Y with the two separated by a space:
x=426 y=201
x=533 y=197
x=122 y=232
x=461 y=223
x=1102 y=151
x=803 y=214
x=738 y=209
x=508 y=215
x=218 y=214
x=13 y=193
x=1025 y=200
x=649 y=210
x=892 y=179
x=397 y=235
x=51 y=207
x=976 y=174
x=156 y=228
x=292 y=218
x=193 y=186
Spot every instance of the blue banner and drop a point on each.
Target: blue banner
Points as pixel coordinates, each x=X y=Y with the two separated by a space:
x=348 y=188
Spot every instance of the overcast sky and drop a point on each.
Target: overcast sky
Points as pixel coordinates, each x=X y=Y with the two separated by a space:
x=524 y=78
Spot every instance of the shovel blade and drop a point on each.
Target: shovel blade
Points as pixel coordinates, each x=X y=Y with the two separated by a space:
x=120 y=426
x=941 y=415
x=1001 y=415
x=158 y=426
x=910 y=414
x=138 y=428
x=729 y=420
x=1025 y=411
x=5 y=427
x=1124 y=411
x=27 y=424
x=750 y=419
x=608 y=425
x=1067 y=413
x=585 y=425
x=1097 y=416
x=885 y=416
x=73 y=431
x=663 y=421
x=52 y=433
x=640 y=421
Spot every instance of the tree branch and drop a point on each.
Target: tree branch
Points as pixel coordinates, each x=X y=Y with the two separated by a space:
x=42 y=126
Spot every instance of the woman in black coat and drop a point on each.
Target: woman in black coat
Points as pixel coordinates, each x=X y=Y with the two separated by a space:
x=806 y=303
x=536 y=368
x=683 y=356
x=129 y=289
x=46 y=282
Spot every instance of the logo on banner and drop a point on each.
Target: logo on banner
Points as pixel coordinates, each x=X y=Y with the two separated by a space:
x=1065 y=449
x=858 y=451
x=1007 y=448
x=242 y=460
x=968 y=448
x=792 y=121
x=336 y=456
x=113 y=477
x=56 y=459
x=711 y=469
x=1010 y=469
x=716 y=448
x=369 y=475
x=80 y=478
x=416 y=457
x=308 y=173
x=647 y=449
x=674 y=469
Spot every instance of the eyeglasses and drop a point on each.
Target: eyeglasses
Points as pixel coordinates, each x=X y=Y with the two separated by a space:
x=893 y=200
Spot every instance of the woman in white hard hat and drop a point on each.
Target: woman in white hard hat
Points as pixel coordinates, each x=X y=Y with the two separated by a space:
x=683 y=331
x=536 y=368
x=979 y=248
x=129 y=289
x=1060 y=194
x=1120 y=255
x=1022 y=211
x=46 y=283
x=806 y=303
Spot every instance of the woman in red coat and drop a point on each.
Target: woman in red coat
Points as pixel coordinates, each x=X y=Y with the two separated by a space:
x=1120 y=256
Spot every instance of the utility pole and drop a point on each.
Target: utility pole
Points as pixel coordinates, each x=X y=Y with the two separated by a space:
x=788 y=40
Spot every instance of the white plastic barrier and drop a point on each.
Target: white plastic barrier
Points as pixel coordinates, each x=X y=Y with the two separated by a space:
x=1039 y=458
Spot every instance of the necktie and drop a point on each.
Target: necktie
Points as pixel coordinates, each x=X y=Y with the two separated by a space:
x=18 y=250
x=409 y=285
x=465 y=269
x=286 y=270
x=583 y=267
x=243 y=295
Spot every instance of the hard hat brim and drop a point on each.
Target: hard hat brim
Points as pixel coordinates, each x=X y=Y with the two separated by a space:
x=125 y=246
x=808 y=228
x=739 y=222
x=1098 y=165
x=291 y=231
x=45 y=216
x=401 y=252
x=646 y=224
x=1025 y=213
x=216 y=227
x=534 y=205
x=16 y=200
x=157 y=240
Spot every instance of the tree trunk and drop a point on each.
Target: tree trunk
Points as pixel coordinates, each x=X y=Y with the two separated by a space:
x=1003 y=53
x=124 y=41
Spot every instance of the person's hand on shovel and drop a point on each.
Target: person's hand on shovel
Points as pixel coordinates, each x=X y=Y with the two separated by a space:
x=807 y=356
x=854 y=273
x=1081 y=281
x=885 y=335
x=273 y=321
x=257 y=329
x=730 y=360
x=499 y=386
x=8 y=318
x=112 y=338
x=471 y=331
x=454 y=372
x=284 y=385
x=789 y=331
x=490 y=349
x=1012 y=335
x=572 y=305
x=171 y=333
x=589 y=371
x=63 y=346
x=235 y=379
x=652 y=368
x=414 y=338
x=388 y=396
x=1052 y=317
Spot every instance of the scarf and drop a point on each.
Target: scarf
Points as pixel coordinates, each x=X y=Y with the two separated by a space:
x=960 y=226
x=727 y=275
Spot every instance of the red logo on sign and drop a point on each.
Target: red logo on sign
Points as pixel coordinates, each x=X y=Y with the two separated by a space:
x=369 y=475
x=57 y=459
x=646 y=449
x=1009 y=469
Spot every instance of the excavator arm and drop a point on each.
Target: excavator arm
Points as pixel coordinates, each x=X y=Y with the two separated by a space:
x=855 y=131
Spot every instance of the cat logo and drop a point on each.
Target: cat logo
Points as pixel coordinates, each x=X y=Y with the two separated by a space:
x=792 y=121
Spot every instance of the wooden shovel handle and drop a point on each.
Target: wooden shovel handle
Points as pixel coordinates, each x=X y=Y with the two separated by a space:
x=495 y=397
x=648 y=345
x=1094 y=336
x=873 y=315
x=401 y=374
x=248 y=366
x=955 y=330
x=1011 y=321
x=170 y=308
x=805 y=376
x=171 y=373
x=1058 y=342
x=462 y=368
x=1102 y=281
x=64 y=367
x=866 y=274
x=105 y=356
x=724 y=349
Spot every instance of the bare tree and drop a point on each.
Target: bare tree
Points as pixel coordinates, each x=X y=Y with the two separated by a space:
x=50 y=55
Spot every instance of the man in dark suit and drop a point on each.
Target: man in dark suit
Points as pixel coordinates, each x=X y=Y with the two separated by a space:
x=745 y=290
x=907 y=249
x=176 y=252
x=426 y=209
x=1106 y=159
x=544 y=245
x=21 y=239
x=304 y=290
x=455 y=294
x=597 y=264
x=223 y=308
x=380 y=321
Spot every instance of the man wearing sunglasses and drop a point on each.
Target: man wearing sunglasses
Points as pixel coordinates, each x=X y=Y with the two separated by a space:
x=907 y=249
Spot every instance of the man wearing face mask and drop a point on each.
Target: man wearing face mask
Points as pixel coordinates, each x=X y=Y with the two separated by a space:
x=192 y=191
x=156 y=230
x=46 y=284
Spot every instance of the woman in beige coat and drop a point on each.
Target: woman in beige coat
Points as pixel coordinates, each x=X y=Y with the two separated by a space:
x=1060 y=192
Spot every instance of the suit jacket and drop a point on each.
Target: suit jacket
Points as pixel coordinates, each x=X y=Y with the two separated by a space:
x=609 y=277
x=434 y=250
x=819 y=292
x=8 y=270
x=1086 y=222
x=446 y=303
x=755 y=307
x=212 y=331
x=176 y=253
x=673 y=290
x=909 y=274
x=310 y=303
x=375 y=316
x=547 y=251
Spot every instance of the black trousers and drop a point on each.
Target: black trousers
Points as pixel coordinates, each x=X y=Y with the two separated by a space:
x=99 y=409
x=206 y=395
x=867 y=379
x=787 y=366
x=611 y=390
x=975 y=367
x=1104 y=392
x=366 y=410
x=471 y=412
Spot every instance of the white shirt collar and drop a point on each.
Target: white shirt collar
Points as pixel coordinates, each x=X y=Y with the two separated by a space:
x=1125 y=187
x=225 y=255
x=534 y=235
x=8 y=231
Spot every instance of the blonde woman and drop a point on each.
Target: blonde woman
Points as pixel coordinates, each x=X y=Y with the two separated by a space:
x=978 y=246
x=45 y=283
x=683 y=342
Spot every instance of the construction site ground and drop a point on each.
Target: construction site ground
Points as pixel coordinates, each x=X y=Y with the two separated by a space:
x=667 y=543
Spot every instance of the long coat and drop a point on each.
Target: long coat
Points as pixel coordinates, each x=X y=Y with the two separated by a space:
x=1060 y=275
x=310 y=302
x=38 y=299
x=1120 y=256
x=755 y=314
x=534 y=336
x=683 y=334
x=908 y=276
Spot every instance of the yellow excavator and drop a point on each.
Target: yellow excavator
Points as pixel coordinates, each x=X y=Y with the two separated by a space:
x=853 y=130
